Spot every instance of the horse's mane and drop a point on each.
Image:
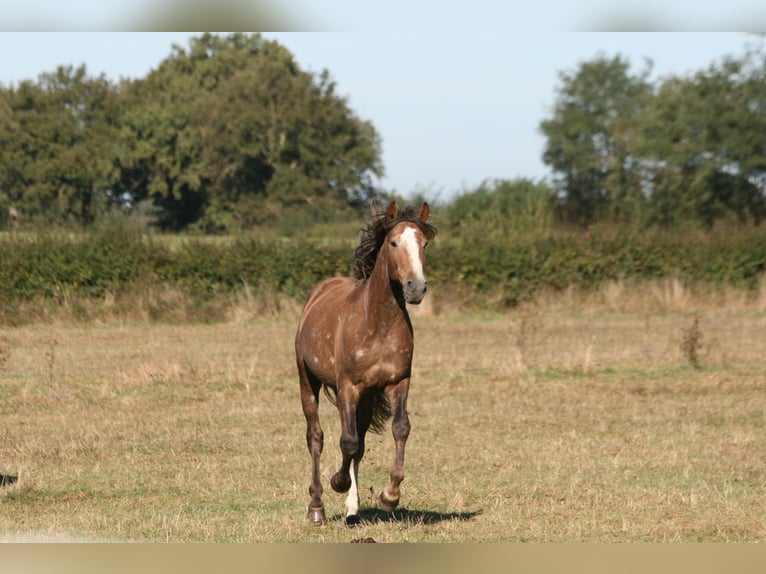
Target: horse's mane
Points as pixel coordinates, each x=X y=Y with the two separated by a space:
x=376 y=228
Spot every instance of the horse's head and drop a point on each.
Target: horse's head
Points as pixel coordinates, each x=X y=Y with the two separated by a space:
x=405 y=249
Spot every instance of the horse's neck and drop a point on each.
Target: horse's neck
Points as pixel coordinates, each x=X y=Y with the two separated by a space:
x=383 y=305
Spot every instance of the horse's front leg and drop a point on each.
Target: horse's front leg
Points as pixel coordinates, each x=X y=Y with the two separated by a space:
x=400 y=427
x=351 y=448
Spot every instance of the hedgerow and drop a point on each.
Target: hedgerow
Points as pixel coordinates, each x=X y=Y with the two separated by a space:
x=519 y=268
x=50 y=267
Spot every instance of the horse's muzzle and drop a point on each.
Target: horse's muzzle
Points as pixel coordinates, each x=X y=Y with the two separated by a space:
x=415 y=290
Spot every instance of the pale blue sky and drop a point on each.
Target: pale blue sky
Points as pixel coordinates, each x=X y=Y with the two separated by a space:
x=453 y=107
x=353 y=15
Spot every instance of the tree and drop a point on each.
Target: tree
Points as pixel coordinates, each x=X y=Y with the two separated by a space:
x=57 y=145
x=736 y=88
x=519 y=206
x=588 y=139
x=231 y=133
x=702 y=146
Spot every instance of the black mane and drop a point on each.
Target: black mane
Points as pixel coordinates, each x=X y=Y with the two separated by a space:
x=373 y=234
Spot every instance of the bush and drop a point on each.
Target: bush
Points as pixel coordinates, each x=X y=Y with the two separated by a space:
x=517 y=269
x=505 y=272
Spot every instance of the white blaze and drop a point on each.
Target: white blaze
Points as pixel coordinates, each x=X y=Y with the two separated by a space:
x=408 y=241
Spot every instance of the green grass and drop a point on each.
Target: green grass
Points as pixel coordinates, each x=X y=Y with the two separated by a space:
x=593 y=426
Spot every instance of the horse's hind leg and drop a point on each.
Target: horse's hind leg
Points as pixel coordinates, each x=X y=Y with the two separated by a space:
x=400 y=427
x=314 y=439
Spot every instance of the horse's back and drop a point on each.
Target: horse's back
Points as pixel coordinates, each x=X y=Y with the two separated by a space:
x=326 y=297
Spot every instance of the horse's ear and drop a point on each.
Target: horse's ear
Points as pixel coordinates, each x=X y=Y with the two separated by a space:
x=392 y=211
x=424 y=211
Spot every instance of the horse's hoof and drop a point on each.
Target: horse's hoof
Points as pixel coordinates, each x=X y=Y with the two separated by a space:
x=316 y=515
x=353 y=520
x=340 y=485
x=386 y=504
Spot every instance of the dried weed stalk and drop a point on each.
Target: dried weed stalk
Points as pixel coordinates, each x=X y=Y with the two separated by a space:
x=50 y=359
x=691 y=343
x=5 y=353
x=529 y=326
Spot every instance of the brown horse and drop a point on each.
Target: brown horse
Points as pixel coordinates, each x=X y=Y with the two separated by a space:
x=355 y=340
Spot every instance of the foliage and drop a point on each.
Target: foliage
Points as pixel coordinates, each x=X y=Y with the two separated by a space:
x=224 y=135
x=678 y=151
x=502 y=208
x=588 y=138
x=494 y=273
x=232 y=132
x=57 y=144
x=702 y=147
x=118 y=259
x=516 y=271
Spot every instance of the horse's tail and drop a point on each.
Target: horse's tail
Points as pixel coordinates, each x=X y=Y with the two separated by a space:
x=375 y=403
x=381 y=410
x=331 y=396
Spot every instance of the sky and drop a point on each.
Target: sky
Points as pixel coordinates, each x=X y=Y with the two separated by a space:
x=454 y=108
x=352 y=15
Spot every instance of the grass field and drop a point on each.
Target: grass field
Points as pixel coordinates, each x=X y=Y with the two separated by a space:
x=556 y=422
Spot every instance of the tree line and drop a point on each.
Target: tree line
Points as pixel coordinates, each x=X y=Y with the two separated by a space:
x=671 y=152
x=222 y=135
x=229 y=133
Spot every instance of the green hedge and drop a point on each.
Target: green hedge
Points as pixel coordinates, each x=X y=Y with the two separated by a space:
x=518 y=269
x=118 y=260
x=93 y=265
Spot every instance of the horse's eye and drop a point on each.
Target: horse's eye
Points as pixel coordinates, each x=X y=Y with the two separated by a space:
x=394 y=244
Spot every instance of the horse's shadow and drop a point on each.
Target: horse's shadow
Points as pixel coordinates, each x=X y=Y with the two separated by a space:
x=7 y=479
x=407 y=516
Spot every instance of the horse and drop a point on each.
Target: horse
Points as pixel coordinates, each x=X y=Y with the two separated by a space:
x=355 y=341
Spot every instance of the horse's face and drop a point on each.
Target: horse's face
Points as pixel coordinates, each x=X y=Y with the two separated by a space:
x=405 y=249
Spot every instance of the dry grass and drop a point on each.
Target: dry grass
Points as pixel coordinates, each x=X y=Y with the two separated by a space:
x=567 y=421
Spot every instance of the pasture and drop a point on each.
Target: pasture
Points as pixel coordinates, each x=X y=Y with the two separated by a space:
x=561 y=421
